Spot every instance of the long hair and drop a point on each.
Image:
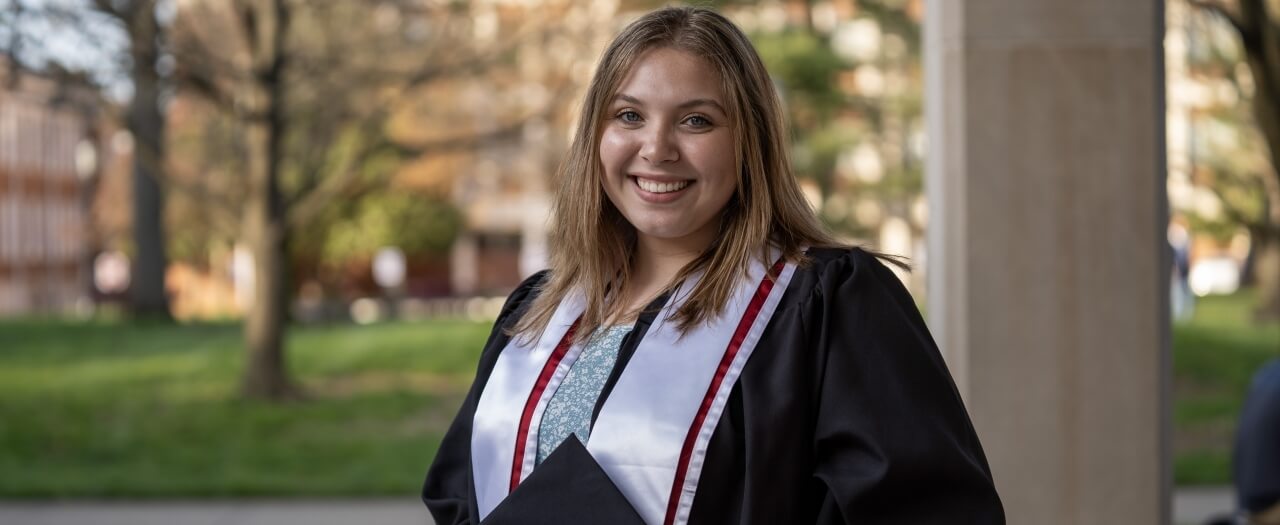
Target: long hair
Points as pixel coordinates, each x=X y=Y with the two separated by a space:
x=591 y=242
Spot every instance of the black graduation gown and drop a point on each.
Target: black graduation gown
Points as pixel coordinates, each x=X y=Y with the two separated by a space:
x=845 y=413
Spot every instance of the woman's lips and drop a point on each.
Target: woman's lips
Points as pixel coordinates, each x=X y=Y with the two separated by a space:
x=660 y=191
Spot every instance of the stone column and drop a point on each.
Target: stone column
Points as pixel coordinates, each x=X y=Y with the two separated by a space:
x=1049 y=276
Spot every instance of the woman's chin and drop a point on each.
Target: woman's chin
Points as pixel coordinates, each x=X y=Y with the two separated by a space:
x=675 y=233
x=662 y=232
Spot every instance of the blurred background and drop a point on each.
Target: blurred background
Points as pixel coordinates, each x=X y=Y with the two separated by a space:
x=252 y=249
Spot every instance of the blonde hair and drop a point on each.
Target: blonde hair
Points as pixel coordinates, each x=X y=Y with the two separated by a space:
x=591 y=242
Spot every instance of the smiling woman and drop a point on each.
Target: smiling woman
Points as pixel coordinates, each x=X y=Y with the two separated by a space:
x=663 y=148
x=665 y=152
x=701 y=350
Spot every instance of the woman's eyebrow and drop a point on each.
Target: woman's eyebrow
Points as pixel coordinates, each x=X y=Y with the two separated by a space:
x=683 y=105
x=702 y=102
x=628 y=99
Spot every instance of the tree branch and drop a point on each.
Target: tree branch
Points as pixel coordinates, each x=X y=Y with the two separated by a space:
x=1233 y=213
x=105 y=6
x=1221 y=10
x=307 y=206
x=206 y=88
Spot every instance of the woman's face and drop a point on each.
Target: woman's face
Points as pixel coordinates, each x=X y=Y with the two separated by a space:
x=667 y=148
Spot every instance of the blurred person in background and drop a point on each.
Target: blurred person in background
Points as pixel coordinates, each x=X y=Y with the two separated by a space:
x=1181 y=297
x=1256 y=459
x=701 y=349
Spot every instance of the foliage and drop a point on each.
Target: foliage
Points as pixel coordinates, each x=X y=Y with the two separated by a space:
x=1227 y=144
x=806 y=67
x=1256 y=25
x=204 y=166
x=839 y=104
x=417 y=224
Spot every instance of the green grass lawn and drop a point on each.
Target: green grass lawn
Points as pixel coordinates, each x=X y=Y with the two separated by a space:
x=1215 y=355
x=151 y=410
x=116 y=409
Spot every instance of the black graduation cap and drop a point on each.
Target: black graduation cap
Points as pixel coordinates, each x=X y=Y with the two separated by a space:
x=567 y=487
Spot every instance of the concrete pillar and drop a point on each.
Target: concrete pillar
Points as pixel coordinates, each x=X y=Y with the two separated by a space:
x=1048 y=285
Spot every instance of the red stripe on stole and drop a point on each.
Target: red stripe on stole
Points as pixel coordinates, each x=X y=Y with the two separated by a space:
x=548 y=369
x=740 y=334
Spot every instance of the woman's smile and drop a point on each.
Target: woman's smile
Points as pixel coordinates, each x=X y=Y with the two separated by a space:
x=660 y=191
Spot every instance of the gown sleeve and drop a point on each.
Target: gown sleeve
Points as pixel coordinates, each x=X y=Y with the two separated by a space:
x=447 y=489
x=892 y=440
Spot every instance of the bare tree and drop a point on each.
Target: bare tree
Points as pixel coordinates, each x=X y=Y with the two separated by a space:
x=322 y=73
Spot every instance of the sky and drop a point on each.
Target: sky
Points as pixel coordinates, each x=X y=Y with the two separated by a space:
x=82 y=39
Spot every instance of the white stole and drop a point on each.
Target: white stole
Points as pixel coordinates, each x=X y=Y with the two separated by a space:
x=653 y=430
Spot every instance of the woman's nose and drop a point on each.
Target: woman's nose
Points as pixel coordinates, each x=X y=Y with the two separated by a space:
x=659 y=146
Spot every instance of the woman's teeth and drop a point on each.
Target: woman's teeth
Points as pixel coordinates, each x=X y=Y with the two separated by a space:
x=661 y=187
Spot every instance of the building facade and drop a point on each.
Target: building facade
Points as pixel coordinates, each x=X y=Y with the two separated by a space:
x=47 y=153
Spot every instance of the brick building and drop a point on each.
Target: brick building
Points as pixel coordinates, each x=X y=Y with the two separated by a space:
x=47 y=152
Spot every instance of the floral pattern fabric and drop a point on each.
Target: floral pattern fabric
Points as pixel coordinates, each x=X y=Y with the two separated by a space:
x=569 y=411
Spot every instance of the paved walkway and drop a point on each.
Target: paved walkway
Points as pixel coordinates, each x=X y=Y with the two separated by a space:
x=1194 y=505
x=251 y=512
x=1191 y=507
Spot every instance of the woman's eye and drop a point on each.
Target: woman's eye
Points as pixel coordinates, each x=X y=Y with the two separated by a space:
x=698 y=121
x=629 y=116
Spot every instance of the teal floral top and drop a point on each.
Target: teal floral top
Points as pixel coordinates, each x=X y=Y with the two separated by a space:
x=569 y=411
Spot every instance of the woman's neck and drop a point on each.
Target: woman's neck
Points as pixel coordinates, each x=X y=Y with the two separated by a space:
x=657 y=261
x=655 y=265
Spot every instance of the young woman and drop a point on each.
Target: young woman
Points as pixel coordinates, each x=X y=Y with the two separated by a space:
x=701 y=350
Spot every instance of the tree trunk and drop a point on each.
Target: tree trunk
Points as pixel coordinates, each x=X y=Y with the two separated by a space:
x=1265 y=238
x=266 y=229
x=147 y=295
x=265 y=374
x=1262 y=52
x=1248 y=268
x=1266 y=246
